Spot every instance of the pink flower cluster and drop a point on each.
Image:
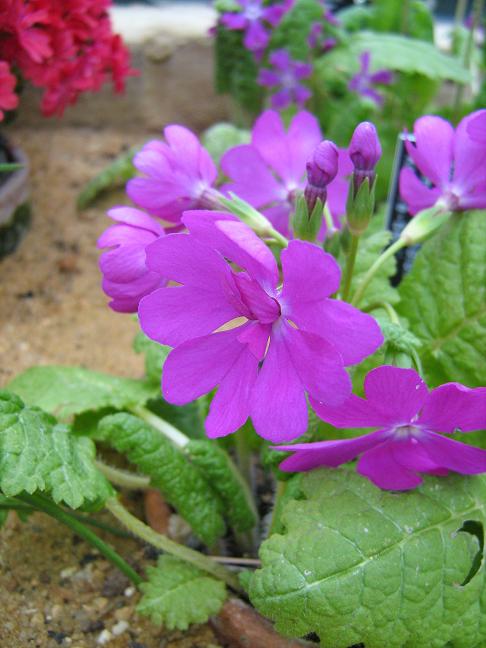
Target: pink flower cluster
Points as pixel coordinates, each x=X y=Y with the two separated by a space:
x=66 y=47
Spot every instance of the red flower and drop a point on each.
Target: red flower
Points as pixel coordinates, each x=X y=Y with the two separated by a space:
x=8 y=98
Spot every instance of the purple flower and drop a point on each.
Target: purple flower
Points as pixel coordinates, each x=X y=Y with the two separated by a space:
x=270 y=171
x=263 y=345
x=287 y=76
x=363 y=82
x=126 y=278
x=328 y=15
x=453 y=162
x=179 y=175
x=251 y=18
x=476 y=127
x=408 y=442
x=322 y=168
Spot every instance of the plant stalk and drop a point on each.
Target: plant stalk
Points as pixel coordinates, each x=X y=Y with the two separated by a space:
x=50 y=508
x=478 y=6
x=199 y=560
x=123 y=478
x=389 y=252
x=172 y=433
x=349 y=269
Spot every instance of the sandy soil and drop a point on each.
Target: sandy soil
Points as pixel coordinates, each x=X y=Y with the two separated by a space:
x=54 y=589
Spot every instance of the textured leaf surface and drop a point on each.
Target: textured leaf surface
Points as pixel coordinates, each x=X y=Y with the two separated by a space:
x=182 y=483
x=444 y=300
x=293 y=31
x=221 y=137
x=64 y=391
x=360 y=565
x=226 y=480
x=178 y=594
x=36 y=454
x=155 y=356
x=409 y=55
x=113 y=176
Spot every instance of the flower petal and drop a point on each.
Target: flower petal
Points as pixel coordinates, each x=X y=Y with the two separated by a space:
x=327 y=453
x=317 y=363
x=453 y=407
x=400 y=393
x=309 y=275
x=230 y=407
x=415 y=193
x=176 y=314
x=278 y=404
x=381 y=467
x=250 y=177
x=432 y=152
x=354 y=412
x=195 y=367
x=454 y=455
x=469 y=159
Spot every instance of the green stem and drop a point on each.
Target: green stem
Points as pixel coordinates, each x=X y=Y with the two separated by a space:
x=460 y=13
x=279 y=492
x=478 y=7
x=279 y=239
x=389 y=252
x=246 y=541
x=390 y=311
x=160 y=541
x=47 y=506
x=123 y=478
x=405 y=17
x=350 y=263
x=172 y=433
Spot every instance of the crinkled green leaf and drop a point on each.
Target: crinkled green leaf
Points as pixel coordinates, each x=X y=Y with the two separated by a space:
x=181 y=482
x=409 y=55
x=65 y=391
x=370 y=247
x=226 y=480
x=36 y=454
x=178 y=594
x=444 y=300
x=359 y=565
x=188 y=418
x=221 y=137
x=155 y=356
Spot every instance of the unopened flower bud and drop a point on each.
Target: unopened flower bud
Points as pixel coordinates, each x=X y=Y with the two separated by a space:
x=365 y=152
x=322 y=168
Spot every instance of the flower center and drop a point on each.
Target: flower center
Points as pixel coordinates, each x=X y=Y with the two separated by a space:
x=406 y=431
x=253 y=11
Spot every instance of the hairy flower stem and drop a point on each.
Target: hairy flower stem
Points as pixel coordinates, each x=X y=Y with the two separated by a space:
x=405 y=18
x=247 y=541
x=389 y=252
x=45 y=505
x=172 y=433
x=123 y=478
x=277 y=505
x=199 y=560
x=349 y=269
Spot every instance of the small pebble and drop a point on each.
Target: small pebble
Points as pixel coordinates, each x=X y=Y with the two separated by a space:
x=68 y=572
x=104 y=637
x=123 y=614
x=130 y=591
x=119 y=628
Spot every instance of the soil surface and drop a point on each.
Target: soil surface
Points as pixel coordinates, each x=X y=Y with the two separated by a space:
x=54 y=589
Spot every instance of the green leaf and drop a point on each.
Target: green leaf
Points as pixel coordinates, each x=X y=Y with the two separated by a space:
x=222 y=474
x=65 y=391
x=178 y=594
x=359 y=565
x=221 y=137
x=113 y=176
x=370 y=247
x=444 y=300
x=409 y=55
x=155 y=356
x=293 y=30
x=36 y=454
x=182 y=483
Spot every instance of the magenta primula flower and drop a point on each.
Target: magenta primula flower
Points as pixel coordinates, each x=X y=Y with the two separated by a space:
x=476 y=127
x=318 y=40
x=263 y=345
x=364 y=81
x=453 y=162
x=252 y=19
x=286 y=78
x=179 y=175
x=270 y=171
x=126 y=278
x=409 y=441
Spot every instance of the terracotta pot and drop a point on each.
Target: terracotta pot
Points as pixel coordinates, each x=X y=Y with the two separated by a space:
x=14 y=199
